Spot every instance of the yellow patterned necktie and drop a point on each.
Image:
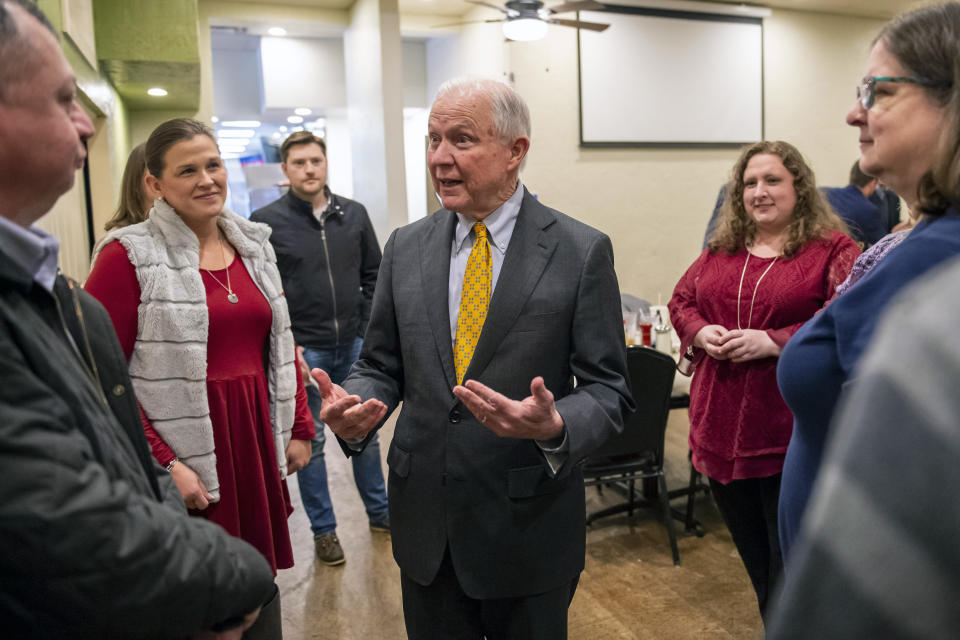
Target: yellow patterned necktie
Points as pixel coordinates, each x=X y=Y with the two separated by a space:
x=474 y=300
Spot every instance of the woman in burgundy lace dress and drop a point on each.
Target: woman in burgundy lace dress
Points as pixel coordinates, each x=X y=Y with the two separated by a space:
x=775 y=258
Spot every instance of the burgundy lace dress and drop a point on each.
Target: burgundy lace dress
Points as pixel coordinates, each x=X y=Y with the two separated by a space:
x=739 y=423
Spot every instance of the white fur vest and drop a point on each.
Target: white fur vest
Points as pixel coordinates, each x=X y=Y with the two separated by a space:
x=169 y=361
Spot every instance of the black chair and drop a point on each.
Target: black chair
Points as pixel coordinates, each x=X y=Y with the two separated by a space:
x=691 y=526
x=637 y=452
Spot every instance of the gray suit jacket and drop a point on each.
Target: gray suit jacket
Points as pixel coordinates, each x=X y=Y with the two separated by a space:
x=512 y=528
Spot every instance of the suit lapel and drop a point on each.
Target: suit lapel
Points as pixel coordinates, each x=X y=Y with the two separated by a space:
x=527 y=256
x=435 y=275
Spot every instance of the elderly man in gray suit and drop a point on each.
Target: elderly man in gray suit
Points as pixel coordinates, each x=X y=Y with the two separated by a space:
x=496 y=321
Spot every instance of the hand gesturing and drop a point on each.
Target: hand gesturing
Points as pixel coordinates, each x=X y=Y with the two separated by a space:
x=535 y=417
x=345 y=414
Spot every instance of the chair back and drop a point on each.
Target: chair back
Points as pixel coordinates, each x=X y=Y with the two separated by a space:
x=651 y=382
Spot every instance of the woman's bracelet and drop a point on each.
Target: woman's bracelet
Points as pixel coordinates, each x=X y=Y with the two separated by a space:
x=171 y=463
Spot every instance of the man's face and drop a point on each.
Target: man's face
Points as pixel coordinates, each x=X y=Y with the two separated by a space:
x=42 y=128
x=473 y=171
x=306 y=169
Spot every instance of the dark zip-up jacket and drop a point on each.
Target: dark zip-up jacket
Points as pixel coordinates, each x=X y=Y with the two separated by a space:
x=96 y=541
x=328 y=269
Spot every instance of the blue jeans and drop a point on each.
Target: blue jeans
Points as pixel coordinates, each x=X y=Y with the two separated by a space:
x=367 y=472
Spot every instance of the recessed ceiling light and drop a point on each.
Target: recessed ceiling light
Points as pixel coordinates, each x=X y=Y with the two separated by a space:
x=277 y=31
x=302 y=111
x=240 y=123
x=283 y=128
x=236 y=133
x=214 y=119
x=298 y=128
x=157 y=92
x=294 y=119
x=229 y=156
x=276 y=135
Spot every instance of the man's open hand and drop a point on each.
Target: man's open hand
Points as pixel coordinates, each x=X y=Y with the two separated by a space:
x=345 y=414
x=535 y=417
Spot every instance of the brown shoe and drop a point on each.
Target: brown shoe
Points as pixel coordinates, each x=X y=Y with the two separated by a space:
x=329 y=551
x=380 y=526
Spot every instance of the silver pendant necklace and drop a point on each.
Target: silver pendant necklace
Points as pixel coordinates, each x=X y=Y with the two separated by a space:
x=231 y=296
x=753 y=298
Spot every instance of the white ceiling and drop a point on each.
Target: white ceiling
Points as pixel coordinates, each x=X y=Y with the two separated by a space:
x=876 y=8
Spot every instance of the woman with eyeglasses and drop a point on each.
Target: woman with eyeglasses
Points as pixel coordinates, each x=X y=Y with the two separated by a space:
x=909 y=123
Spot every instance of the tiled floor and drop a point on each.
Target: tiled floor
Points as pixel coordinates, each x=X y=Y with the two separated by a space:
x=630 y=588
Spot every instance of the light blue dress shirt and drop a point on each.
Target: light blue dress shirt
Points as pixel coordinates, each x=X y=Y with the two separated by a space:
x=33 y=250
x=499 y=226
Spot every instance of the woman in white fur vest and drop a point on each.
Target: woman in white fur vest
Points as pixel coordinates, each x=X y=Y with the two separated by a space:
x=196 y=299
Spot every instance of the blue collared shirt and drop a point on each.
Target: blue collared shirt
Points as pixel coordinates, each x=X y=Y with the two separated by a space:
x=32 y=249
x=499 y=226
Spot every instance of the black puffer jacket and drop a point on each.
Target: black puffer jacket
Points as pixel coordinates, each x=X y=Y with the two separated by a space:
x=95 y=539
x=329 y=270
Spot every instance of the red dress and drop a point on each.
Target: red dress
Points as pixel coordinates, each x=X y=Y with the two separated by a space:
x=254 y=502
x=739 y=423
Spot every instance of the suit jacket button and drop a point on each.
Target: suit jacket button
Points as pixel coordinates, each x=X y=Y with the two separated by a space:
x=119 y=390
x=455 y=416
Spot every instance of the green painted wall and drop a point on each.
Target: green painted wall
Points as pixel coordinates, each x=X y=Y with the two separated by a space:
x=143 y=44
x=147 y=30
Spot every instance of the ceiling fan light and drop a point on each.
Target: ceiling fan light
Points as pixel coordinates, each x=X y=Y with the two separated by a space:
x=525 y=29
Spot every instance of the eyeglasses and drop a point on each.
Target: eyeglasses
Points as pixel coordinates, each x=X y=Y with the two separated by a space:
x=867 y=89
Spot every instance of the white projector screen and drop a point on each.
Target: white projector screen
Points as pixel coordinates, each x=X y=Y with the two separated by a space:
x=670 y=78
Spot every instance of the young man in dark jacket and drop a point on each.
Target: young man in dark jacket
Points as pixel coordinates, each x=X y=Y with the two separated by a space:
x=328 y=257
x=96 y=540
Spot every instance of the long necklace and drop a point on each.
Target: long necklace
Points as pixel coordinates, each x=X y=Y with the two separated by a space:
x=753 y=298
x=231 y=296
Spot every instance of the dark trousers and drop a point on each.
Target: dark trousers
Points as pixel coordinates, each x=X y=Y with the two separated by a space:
x=749 y=509
x=269 y=623
x=442 y=611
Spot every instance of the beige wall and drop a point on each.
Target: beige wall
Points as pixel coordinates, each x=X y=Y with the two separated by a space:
x=655 y=203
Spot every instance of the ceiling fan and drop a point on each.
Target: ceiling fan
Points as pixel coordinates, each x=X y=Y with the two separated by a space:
x=528 y=19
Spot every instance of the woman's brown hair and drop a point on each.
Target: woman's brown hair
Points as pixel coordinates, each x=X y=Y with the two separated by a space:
x=134 y=201
x=168 y=134
x=812 y=216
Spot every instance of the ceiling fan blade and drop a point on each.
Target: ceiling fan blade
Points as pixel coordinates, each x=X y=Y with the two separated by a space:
x=579 y=24
x=577 y=5
x=487 y=4
x=460 y=24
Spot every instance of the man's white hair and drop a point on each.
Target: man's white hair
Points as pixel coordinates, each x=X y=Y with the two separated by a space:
x=511 y=117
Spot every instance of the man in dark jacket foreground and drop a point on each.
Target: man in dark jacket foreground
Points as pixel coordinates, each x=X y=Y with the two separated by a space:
x=96 y=541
